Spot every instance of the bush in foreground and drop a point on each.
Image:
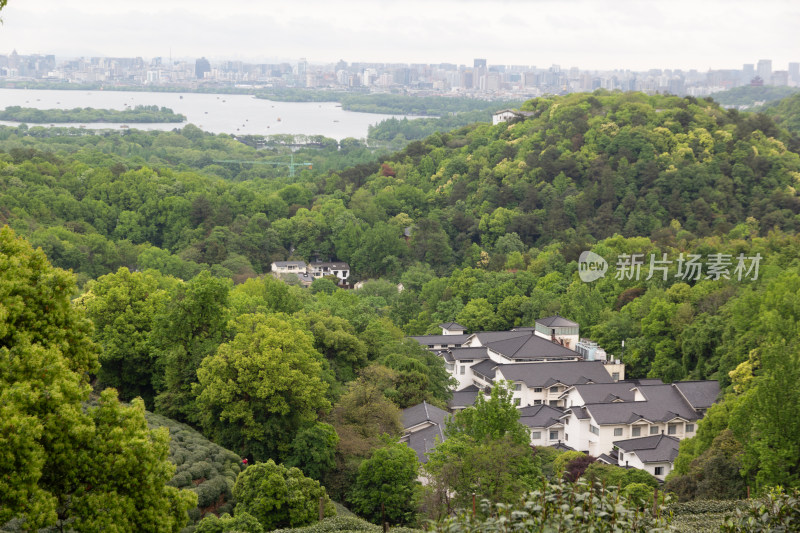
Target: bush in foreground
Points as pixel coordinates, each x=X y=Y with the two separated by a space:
x=779 y=511
x=561 y=507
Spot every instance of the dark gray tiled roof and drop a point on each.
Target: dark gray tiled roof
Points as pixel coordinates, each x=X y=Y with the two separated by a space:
x=424 y=441
x=547 y=374
x=452 y=326
x=557 y=321
x=531 y=347
x=440 y=339
x=485 y=337
x=288 y=263
x=607 y=459
x=540 y=416
x=563 y=447
x=469 y=353
x=652 y=449
x=643 y=381
x=333 y=265
x=485 y=368
x=699 y=394
x=464 y=397
x=606 y=392
x=423 y=412
x=580 y=412
x=663 y=403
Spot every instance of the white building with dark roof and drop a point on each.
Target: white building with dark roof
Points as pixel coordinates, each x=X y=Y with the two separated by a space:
x=288 y=267
x=423 y=427
x=654 y=409
x=544 y=383
x=571 y=394
x=545 y=424
x=339 y=269
x=654 y=454
x=452 y=328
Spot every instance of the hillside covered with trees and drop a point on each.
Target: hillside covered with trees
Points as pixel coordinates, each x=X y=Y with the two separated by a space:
x=482 y=225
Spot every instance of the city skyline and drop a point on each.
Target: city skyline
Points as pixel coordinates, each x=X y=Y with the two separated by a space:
x=591 y=35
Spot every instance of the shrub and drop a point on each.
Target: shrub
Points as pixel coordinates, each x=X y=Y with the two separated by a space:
x=241 y=523
x=779 y=511
x=560 y=463
x=208 y=469
x=278 y=496
x=561 y=507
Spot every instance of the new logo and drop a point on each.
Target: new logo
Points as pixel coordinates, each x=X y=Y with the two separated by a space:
x=591 y=266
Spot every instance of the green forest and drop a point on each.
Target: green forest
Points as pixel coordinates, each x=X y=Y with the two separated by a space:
x=139 y=114
x=171 y=304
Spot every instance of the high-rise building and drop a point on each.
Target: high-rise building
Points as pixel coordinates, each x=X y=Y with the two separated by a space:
x=764 y=70
x=201 y=66
x=479 y=63
x=748 y=73
x=794 y=71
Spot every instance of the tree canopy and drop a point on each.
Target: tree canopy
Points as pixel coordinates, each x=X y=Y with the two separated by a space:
x=60 y=463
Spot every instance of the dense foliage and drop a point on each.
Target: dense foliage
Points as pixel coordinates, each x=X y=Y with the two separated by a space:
x=780 y=511
x=487 y=454
x=138 y=114
x=748 y=95
x=61 y=463
x=277 y=496
x=786 y=112
x=482 y=225
x=561 y=507
x=385 y=490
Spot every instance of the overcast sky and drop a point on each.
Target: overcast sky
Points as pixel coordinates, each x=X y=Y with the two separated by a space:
x=589 y=34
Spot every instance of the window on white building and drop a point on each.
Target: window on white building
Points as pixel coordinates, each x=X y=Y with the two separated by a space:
x=636 y=431
x=672 y=429
x=536 y=435
x=689 y=428
x=554 y=435
x=615 y=376
x=463 y=369
x=553 y=403
x=654 y=430
x=537 y=402
x=659 y=471
x=617 y=432
x=594 y=429
x=517 y=386
x=517 y=401
x=554 y=390
x=537 y=389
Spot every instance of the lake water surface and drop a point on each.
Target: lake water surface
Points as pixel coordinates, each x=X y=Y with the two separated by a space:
x=216 y=113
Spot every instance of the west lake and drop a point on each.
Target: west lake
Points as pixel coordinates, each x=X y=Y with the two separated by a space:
x=216 y=113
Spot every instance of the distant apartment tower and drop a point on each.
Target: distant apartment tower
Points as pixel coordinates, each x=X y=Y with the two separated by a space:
x=794 y=71
x=780 y=78
x=764 y=70
x=748 y=73
x=201 y=66
x=479 y=63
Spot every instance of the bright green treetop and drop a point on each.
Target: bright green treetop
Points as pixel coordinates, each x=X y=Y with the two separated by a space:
x=257 y=390
x=387 y=480
x=101 y=470
x=280 y=497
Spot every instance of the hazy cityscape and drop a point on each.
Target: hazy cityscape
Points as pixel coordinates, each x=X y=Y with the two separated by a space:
x=481 y=79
